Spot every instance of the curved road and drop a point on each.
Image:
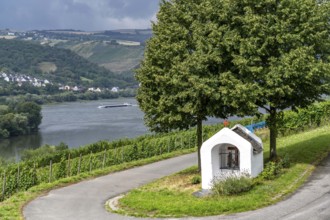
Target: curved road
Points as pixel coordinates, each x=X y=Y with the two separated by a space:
x=85 y=200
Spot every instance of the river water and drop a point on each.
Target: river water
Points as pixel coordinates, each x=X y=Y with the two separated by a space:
x=78 y=124
x=81 y=123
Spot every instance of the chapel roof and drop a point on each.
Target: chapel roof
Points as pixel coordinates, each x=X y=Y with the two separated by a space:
x=257 y=147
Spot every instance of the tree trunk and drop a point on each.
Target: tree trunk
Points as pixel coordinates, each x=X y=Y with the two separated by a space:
x=199 y=141
x=273 y=133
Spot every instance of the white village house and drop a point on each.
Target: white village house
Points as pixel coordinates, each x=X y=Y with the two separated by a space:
x=231 y=150
x=115 y=89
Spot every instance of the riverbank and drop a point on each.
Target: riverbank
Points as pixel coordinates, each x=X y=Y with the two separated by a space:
x=69 y=96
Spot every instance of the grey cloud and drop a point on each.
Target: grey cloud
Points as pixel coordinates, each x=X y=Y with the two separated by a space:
x=136 y=9
x=77 y=14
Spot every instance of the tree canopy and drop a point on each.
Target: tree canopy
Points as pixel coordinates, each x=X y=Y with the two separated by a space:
x=180 y=75
x=19 y=119
x=32 y=112
x=281 y=47
x=219 y=58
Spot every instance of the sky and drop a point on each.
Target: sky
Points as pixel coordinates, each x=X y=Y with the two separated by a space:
x=89 y=15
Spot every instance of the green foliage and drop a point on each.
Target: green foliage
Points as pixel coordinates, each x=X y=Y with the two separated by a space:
x=217 y=58
x=4 y=133
x=313 y=116
x=180 y=76
x=71 y=96
x=2 y=162
x=279 y=48
x=32 y=112
x=61 y=170
x=32 y=154
x=274 y=168
x=285 y=161
x=25 y=57
x=19 y=119
x=12 y=124
x=196 y=180
x=3 y=109
x=232 y=184
x=19 y=178
x=271 y=170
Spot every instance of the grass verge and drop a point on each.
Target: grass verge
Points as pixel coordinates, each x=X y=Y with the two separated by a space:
x=172 y=196
x=12 y=208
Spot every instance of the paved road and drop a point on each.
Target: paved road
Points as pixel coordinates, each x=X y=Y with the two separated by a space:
x=86 y=200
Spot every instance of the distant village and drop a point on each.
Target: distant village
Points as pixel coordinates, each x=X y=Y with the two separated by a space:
x=19 y=79
x=30 y=35
x=43 y=37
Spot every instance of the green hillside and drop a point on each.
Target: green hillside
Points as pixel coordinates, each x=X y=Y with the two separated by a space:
x=114 y=57
x=55 y=64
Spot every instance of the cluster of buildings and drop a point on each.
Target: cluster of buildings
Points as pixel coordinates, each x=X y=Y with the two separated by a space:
x=30 y=35
x=91 y=89
x=20 y=79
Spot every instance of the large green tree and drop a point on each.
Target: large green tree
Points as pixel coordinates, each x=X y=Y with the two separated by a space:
x=217 y=58
x=180 y=75
x=12 y=124
x=33 y=113
x=281 y=47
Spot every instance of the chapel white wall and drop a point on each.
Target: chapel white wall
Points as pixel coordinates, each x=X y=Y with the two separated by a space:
x=210 y=159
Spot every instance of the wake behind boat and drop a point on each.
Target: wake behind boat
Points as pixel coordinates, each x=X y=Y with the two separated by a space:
x=115 y=106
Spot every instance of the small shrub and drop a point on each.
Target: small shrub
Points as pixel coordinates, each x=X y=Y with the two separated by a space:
x=285 y=161
x=196 y=180
x=271 y=170
x=232 y=184
x=257 y=180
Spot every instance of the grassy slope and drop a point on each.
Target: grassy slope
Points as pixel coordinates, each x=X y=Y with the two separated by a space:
x=117 y=58
x=172 y=196
x=298 y=145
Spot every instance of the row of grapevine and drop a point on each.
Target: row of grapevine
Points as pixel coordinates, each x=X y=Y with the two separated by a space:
x=21 y=176
x=313 y=116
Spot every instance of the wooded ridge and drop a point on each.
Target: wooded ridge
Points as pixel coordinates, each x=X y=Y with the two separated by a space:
x=56 y=65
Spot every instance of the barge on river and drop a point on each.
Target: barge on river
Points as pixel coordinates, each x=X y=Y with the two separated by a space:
x=115 y=106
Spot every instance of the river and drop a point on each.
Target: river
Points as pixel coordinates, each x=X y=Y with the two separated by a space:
x=81 y=123
x=78 y=124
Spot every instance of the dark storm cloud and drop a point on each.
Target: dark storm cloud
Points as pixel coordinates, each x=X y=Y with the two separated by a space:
x=77 y=14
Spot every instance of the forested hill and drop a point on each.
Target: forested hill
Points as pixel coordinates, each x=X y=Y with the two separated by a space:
x=55 y=64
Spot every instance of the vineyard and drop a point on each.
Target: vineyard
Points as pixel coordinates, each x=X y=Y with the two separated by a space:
x=21 y=176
